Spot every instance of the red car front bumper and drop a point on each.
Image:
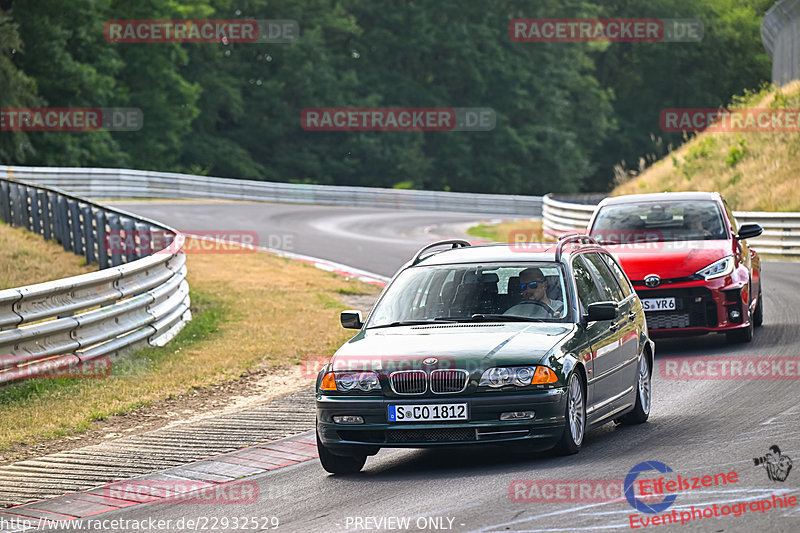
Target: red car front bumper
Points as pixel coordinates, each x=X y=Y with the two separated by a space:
x=714 y=306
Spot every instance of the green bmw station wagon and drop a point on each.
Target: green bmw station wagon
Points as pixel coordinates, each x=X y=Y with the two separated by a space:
x=488 y=344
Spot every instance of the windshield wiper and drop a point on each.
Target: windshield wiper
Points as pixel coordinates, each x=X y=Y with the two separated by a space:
x=436 y=320
x=508 y=318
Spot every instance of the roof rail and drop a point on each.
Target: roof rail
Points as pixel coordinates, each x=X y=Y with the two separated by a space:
x=457 y=243
x=563 y=240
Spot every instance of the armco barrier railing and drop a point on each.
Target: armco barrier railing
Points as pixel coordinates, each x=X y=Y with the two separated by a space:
x=101 y=183
x=781 y=230
x=139 y=297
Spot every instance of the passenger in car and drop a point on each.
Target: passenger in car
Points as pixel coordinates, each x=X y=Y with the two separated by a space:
x=693 y=221
x=534 y=289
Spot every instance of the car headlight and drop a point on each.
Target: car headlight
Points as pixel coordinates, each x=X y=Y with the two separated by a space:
x=349 y=381
x=521 y=376
x=717 y=269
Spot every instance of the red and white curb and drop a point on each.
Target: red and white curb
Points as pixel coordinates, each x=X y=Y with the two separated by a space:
x=217 y=479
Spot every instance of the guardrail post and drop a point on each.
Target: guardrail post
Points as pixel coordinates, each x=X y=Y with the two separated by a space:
x=47 y=202
x=88 y=234
x=130 y=240
x=25 y=208
x=63 y=224
x=144 y=236
x=102 y=238
x=115 y=233
x=35 y=218
x=75 y=221
x=5 y=203
x=14 y=190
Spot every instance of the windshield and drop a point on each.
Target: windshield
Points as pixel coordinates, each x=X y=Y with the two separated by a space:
x=531 y=291
x=659 y=221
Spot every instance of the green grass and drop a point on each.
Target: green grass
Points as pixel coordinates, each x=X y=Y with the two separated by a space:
x=506 y=231
x=142 y=364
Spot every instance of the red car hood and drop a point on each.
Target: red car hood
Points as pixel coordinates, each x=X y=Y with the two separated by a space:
x=668 y=259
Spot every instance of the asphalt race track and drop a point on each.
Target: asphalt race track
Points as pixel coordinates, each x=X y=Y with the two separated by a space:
x=696 y=427
x=376 y=240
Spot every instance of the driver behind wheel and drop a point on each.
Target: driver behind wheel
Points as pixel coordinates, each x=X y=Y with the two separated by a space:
x=534 y=289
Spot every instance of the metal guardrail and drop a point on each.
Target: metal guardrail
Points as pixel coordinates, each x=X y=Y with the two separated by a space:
x=139 y=297
x=781 y=230
x=102 y=183
x=780 y=33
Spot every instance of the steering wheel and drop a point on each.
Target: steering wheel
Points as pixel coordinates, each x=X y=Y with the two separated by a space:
x=546 y=307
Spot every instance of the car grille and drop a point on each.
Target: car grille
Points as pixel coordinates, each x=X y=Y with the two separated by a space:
x=667 y=320
x=431 y=435
x=448 y=381
x=694 y=307
x=408 y=381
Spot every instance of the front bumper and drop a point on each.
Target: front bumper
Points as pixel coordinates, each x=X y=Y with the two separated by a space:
x=701 y=307
x=484 y=424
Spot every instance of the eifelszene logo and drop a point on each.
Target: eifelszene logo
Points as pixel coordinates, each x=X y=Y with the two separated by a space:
x=637 y=503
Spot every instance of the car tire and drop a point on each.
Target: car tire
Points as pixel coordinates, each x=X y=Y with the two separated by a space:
x=741 y=335
x=574 y=418
x=339 y=464
x=758 y=314
x=641 y=410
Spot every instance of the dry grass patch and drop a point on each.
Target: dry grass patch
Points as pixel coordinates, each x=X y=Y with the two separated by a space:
x=755 y=171
x=251 y=312
x=26 y=258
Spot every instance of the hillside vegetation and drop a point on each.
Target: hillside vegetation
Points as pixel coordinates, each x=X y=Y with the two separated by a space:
x=566 y=112
x=754 y=171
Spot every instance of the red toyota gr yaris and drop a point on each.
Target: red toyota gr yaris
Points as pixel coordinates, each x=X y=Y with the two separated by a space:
x=689 y=263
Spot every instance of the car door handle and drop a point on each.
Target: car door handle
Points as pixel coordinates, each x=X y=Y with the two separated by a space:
x=632 y=316
x=614 y=326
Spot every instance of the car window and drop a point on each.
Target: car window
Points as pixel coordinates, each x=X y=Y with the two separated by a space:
x=460 y=291
x=588 y=293
x=609 y=288
x=619 y=274
x=659 y=221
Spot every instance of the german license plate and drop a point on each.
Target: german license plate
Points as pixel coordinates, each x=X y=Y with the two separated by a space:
x=658 y=304
x=428 y=413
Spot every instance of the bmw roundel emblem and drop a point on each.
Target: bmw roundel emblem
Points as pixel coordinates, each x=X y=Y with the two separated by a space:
x=652 y=281
x=429 y=361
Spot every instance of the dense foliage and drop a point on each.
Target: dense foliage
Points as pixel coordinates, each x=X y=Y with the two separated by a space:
x=566 y=112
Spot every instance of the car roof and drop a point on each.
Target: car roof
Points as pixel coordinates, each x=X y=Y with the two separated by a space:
x=504 y=253
x=661 y=197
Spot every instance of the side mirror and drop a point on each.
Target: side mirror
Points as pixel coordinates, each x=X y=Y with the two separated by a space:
x=602 y=311
x=748 y=231
x=351 y=319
